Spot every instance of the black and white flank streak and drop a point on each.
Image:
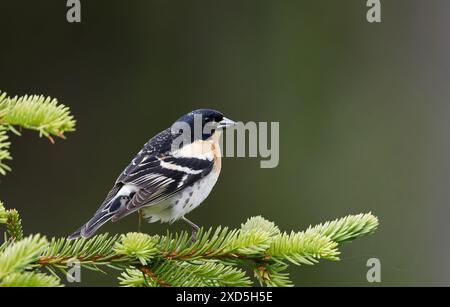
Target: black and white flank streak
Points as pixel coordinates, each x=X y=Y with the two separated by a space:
x=163 y=184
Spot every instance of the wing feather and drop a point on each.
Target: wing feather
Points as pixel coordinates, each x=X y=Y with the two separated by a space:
x=162 y=178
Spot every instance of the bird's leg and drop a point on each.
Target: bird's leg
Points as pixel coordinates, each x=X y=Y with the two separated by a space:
x=195 y=229
x=140 y=214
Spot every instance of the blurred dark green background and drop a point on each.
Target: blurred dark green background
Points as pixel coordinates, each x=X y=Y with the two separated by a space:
x=363 y=111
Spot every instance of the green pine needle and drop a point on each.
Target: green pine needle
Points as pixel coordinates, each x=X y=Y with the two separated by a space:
x=347 y=228
x=3 y=215
x=273 y=275
x=185 y=274
x=20 y=255
x=14 y=225
x=30 y=279
x=40 y=113
x=137 y=246
x=303 y=248
x=261 y=224
x=90 y=252
x=13 y=222
x=4 y=150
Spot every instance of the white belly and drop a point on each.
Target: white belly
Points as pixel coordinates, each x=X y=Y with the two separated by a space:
x=183 y=202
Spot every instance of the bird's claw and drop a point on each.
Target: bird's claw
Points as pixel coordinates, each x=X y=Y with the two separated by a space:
x=194 y=236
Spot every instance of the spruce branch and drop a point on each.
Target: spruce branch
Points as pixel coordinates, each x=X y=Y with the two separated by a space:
x=4 y=149
x=348 y=228
x=273 y=275
x=21 y=255
x=43 y=114
x=30 y=279
x=136 y=246
x=13 y=223
x=218 y=257
x=97 y=251
x=3 y=215
x=303 y=248
x=174 y=273
x=36 y=112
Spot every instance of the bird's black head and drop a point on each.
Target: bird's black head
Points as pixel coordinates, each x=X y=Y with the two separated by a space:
x=202 y=123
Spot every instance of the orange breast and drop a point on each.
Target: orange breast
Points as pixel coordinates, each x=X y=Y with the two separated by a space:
x=208 y=149
x=215 y=148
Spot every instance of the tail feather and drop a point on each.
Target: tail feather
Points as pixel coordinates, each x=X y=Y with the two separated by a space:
x=88 y=229
x=75 y=235
x=100 y=218
x=95 y=223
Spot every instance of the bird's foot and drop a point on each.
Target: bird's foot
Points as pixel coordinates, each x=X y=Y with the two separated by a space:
x=195 y=229
x=194 y=236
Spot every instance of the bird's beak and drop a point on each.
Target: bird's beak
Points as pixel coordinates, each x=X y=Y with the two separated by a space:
x=225 y=123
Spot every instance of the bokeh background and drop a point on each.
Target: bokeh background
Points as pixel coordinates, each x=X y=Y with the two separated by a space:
x=363 y=111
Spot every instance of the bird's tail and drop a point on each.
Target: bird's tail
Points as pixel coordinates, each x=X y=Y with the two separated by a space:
x=88 y=229
x=100 y=218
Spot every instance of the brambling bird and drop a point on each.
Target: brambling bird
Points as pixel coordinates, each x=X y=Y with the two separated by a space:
x=171 y=175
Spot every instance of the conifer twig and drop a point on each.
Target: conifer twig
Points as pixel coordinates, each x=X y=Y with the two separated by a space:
x=35 y=112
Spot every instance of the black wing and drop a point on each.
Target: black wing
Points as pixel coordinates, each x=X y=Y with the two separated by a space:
x=158 y=178
x=156 y=146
